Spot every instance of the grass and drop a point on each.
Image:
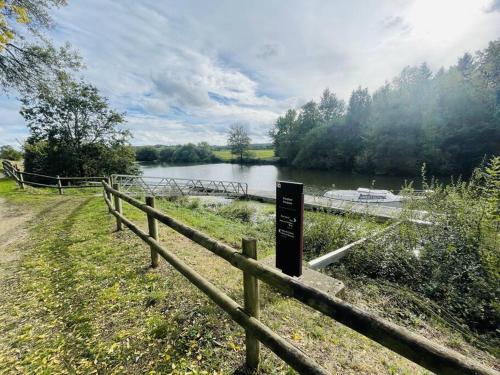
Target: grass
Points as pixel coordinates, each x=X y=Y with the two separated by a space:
x=231 y=223
x=83 y=299
x=254 y=154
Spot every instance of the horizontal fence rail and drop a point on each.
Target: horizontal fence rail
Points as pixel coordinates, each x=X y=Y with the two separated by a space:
x=412 y=346
x=57 y=182
x=170 y=186
x=295 y=357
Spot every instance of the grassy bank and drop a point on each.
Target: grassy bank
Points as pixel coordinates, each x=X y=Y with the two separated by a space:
x=265 y=154
x=81 y=298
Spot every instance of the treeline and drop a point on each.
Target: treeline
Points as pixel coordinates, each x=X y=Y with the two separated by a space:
x=189 y=153
x=450 y=120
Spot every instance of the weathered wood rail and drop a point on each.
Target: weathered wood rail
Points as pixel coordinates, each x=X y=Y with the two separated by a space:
x=57 y=182
x=412 y=346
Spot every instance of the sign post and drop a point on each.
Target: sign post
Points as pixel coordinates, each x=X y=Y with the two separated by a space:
x=289 y=227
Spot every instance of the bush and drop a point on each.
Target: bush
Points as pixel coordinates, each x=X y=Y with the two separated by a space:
x=10 y=153
x=455 y=261
x=324 y=233
x=194 y=203
x=189 y=153
x=94 y=160
x=238 y=211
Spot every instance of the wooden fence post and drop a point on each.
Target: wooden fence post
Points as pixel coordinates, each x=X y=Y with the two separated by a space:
x=59 y=185
x=108 y=194
x=153 y=231
x=21 y=178
x=252 y=306
x=118 y=207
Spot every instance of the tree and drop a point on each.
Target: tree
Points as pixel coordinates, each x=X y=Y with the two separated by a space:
x=350 y=136
x=331 y=108
x=238 y=140
x=10 y=153
x=449 y=120
x=74 y=133
x=27 y=58
x=166 y=154
x=283 y=133
x=147 y=153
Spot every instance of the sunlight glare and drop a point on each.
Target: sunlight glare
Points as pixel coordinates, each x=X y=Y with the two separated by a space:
x=444 y=20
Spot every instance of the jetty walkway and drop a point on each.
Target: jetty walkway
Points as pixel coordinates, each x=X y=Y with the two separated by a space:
x=316 y=203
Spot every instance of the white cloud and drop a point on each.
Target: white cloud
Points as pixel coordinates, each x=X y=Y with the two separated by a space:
x=185 y=70
x=12 y=130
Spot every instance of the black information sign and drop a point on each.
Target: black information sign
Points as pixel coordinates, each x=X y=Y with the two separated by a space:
x=289 y=227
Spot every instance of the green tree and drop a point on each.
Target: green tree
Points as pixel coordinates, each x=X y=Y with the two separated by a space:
x=331 y=108
x=10 y=153
x=74 y=132
x=166 y=154
x=147 y=153
x=186 y=154
x=351 y=134
x=238 y=140
x=27 y=58
x=449 y=120
x=283 y=135
x=205 y=152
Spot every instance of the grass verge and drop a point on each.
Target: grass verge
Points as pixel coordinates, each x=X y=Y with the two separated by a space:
x=226 y=155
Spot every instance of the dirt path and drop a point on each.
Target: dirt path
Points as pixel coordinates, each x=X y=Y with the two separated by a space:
x=12 y=229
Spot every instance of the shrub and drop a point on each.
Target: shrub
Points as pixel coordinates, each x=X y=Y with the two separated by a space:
x=455 y=261
x=10 y=153
x=238 y=211
x=324 y=233
x=193 y=203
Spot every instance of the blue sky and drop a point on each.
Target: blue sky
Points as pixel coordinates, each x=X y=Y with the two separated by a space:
x=185 y=70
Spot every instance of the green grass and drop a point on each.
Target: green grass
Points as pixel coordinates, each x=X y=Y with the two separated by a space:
x=255 y=154
x=222 y=224
x=83 y=299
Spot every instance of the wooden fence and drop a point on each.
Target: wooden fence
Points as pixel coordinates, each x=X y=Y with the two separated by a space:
x=41 y=180
x=412 y=346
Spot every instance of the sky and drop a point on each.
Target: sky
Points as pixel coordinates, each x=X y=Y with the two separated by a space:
x=184 y=71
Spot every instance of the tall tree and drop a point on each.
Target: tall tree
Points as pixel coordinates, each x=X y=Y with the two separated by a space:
x=449 y=120
x=282 y=134
x=356 y=120
x=238 y=140
x=330 y=107
x=74 y=132
x=27 y=58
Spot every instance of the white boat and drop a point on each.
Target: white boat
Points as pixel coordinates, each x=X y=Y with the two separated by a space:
x=364 y=195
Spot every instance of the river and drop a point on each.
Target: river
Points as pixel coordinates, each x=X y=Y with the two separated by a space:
x=264 y=177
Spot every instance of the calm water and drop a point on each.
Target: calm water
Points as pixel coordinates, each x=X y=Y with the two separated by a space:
x=264 y=177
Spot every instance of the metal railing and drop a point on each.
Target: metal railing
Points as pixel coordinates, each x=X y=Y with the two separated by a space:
x=171 y=186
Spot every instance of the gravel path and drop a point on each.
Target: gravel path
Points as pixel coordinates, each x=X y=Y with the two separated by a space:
x=12 y=229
